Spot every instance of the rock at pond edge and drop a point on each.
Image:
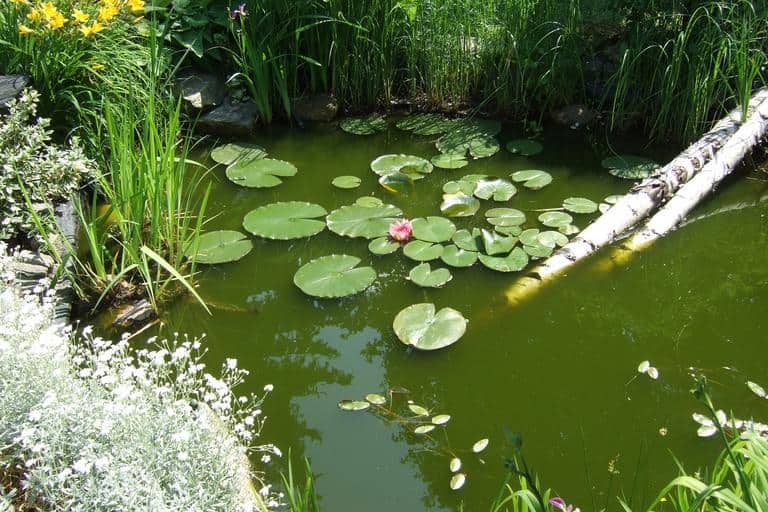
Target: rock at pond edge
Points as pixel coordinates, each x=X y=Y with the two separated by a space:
x=237 y=119
x=318 y=107
x=200 y=90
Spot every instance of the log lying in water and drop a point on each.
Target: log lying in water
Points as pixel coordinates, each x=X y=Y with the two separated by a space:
x=636 y=205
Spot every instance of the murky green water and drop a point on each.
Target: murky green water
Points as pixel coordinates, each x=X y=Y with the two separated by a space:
x=560 y=369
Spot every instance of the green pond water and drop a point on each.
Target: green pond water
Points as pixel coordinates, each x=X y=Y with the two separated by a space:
x=561 y=368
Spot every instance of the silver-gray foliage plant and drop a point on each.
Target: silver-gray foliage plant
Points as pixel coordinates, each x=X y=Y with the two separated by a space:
x=47 y=171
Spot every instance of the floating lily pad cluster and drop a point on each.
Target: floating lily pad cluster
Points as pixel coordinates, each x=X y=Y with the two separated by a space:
x=629 y=167
x=248 y=165
x=422 y=423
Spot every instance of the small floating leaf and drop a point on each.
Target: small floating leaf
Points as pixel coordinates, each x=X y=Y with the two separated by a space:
x=483 y=147
x=383 y=245
x=459 y=205
x=480 y=445
x=568 y=230
x=433 y=229
x=375 y=399
x=532 y=179
x=221 y=247
x=425 y=124
x=423 y=429
x=418 y=325
x=334 y=276
x=538 y=250
x=285 y=220
x=455 y=464
x=505 y=217
x=424 y=276
x=495 y=243
x=706 y=431
x=418 y=410
x=653 y=373
x=397 y=182
x=259 y=172
x=629 y=166
x=463 y=186
x=353 y=405
x=643 y=367
x=457 y=481
x=468 y=134
x=555 y=219
x=419 y=250
x=441 y=419
x=449 y=161
x=496 y=188
x=529 y=236
x=369 y=201
x=513 y=262
x=551 y=239
x=467 y=241
x=231 y=153
x=580 y=205
x=456 y=257
x=524 y=147
x=367 y=125
x=508 y=230
x=363 y=221
x=346 y=182
x=413 y=166
x=757 y=389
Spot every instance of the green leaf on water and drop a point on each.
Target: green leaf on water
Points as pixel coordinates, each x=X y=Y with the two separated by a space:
x=346 y=182
x=221 y=247
x=459 y=205
x=441 y=419
x=419 y=250
x=230 y=153
x=410 y=165
x=475 y=135
x=495 y=243
x=423 y=429
x=449 y=161
x=757 y=389
x=424 y=276
x=524 y=147
x=334 y=276
x=457 y=481
x=425 y=124
x=420 y=326
x=568 y=230
x=555 y=219
x=467 y=241
x=495 y=188
x=551 y=239
x=369 y=201
x=533 y=179
x=508 y=230
x=455 y=464
x=505 y=217
x=629 y=167
x=375 y=399
x=397 y=182
x=538 y=250
x=483 y=147
x=353 y=405
x=459 y=258
x=513 y=262
x=363 y=221
x=480 y=445
x=433 y=229
x=463 y=186
x=529 y=236
x=259 y=172
x=367 y=125
x=285 y=220
x=580 y=205
x=383 y=245
x=418 y=410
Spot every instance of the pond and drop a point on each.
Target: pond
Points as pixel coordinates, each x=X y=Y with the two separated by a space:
x=561 y=368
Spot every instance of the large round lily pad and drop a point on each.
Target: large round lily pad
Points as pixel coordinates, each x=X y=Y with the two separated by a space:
x=367 y=125
x=580 y=205
x=495 y=188
x=459 y=205
x=227 y=154
x=419 y=326
x=260 y=172
x=285 y=220
x=411 y=165
x=363 y=221
x=221 y=247
x=433 y=229
x=424 y=276
x=398 y=182
x=455 y=257
x=334 y=276
x=473 y=135
x=524 y=147
x=346 y=182
x=505 y=217
x=533 y=178
x=483 y=147
x=513 y=262
x=629 y=167
x=449 y=161
x=555 y=219
x=418 y=250
x=495 y=243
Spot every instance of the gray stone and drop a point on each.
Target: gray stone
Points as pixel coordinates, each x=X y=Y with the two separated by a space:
x=200 y=90
x=319 y=107
x=133 y=314
x=574 y=116
x=229 y=119
x=10 y=87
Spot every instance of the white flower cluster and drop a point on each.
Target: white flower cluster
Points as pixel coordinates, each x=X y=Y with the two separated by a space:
x=91 y=424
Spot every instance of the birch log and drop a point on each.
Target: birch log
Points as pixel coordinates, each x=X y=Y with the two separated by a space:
x=636 y=205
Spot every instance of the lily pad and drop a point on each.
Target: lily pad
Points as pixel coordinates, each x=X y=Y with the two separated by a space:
x=555 y=219
x=551 y=239
x=259 y=172
x=426 y=124
x=505 y=217
x=467 y=134
x=513 y=262
x=524 y=147
x=508 y=230
x=455 y=464
x=459 y=205
x=419 y=250
x=467 y=241
x=375 y=399
x=221 y=247
x=580 y=205
x=397 y=182
x=433 y=229
x=529 y=236
x=423 y=429
x=411 y=165
x=495 y=188
x=367 y=125
x=483 y=147
x=285 y=220
x=383 y=245
x=441 y=419
x=538 y=250
x=630 y=167
x=346 y=182
x=457 y=481
x=354 y=405
x=608 y=202
x=424 y=276
x=418 y=410
x=369 y=201
x=568 y=230
x=462 y=186
x=533 y=179
x=334 y=276
x=363 y=221
x=459 y=258
x=495 y=243
x=449 y=161
x=230 y=153
x=480 y=445
x=420 y=326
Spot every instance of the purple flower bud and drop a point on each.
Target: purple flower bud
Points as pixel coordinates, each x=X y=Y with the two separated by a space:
x=240 y=11
x=558 y=502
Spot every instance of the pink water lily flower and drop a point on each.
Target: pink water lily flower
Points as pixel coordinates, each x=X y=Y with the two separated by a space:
x=401 y=230
x=559 y=503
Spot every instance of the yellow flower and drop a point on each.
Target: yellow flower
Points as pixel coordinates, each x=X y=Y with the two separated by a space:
x=109 y=10
x=34 y=15
x=94 y=28
x=96 y=66
x=23 y=29
x=56 y=21
x=136 y=5
x=79 y=16
x=49 y=10
x=19 y=2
